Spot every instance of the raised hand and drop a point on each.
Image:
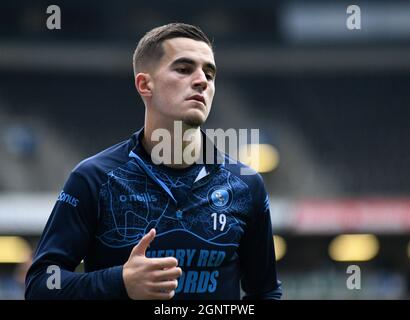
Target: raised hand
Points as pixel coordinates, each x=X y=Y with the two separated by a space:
x=150 y=278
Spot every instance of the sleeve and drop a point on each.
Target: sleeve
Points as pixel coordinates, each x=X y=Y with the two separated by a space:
x=65 y=241
x=256 y=253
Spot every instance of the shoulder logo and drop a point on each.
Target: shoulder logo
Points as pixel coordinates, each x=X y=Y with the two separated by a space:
x=219 y=197
x=266 y=204
x=67 y=198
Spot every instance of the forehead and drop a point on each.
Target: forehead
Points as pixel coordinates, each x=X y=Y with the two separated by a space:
x=177 y=48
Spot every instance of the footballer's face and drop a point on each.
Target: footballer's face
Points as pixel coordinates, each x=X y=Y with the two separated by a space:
x=183 y=82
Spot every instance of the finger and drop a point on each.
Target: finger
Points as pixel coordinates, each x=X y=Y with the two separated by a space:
x=164 y=286
x=162 y=295
x=169 y=274
x=163 y=263
x=144 y=243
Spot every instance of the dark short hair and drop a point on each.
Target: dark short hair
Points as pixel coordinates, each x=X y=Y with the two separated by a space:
x=149 y=49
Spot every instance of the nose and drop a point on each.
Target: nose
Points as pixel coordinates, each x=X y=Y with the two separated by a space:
x=200 y=81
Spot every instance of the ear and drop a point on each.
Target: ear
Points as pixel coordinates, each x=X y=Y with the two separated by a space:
x=143 y=83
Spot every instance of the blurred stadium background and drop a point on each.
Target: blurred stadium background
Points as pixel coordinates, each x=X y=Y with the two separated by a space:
x=332 y=106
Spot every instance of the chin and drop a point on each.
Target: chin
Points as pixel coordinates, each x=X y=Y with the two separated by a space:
x=194 y=120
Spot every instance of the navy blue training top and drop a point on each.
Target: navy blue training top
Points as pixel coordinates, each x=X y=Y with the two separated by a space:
x=213 y=220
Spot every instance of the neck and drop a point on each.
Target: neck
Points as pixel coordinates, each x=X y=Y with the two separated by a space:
x=180 y=144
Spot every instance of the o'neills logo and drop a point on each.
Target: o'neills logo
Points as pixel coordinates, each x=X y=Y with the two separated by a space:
x=142 y=197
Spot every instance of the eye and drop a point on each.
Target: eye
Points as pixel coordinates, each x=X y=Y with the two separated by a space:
x=209 y=76
x=182 y=70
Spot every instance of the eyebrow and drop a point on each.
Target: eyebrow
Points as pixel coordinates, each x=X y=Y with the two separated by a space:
x=208 y=65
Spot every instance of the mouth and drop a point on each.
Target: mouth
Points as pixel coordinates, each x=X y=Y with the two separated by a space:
x=198 y=98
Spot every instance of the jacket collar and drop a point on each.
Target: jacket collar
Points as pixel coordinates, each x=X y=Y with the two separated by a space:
x=212 y=160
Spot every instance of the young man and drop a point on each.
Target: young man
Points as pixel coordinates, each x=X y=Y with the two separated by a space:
x=184 y=229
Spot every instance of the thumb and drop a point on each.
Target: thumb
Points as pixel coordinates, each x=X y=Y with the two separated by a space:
x=144 y=243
